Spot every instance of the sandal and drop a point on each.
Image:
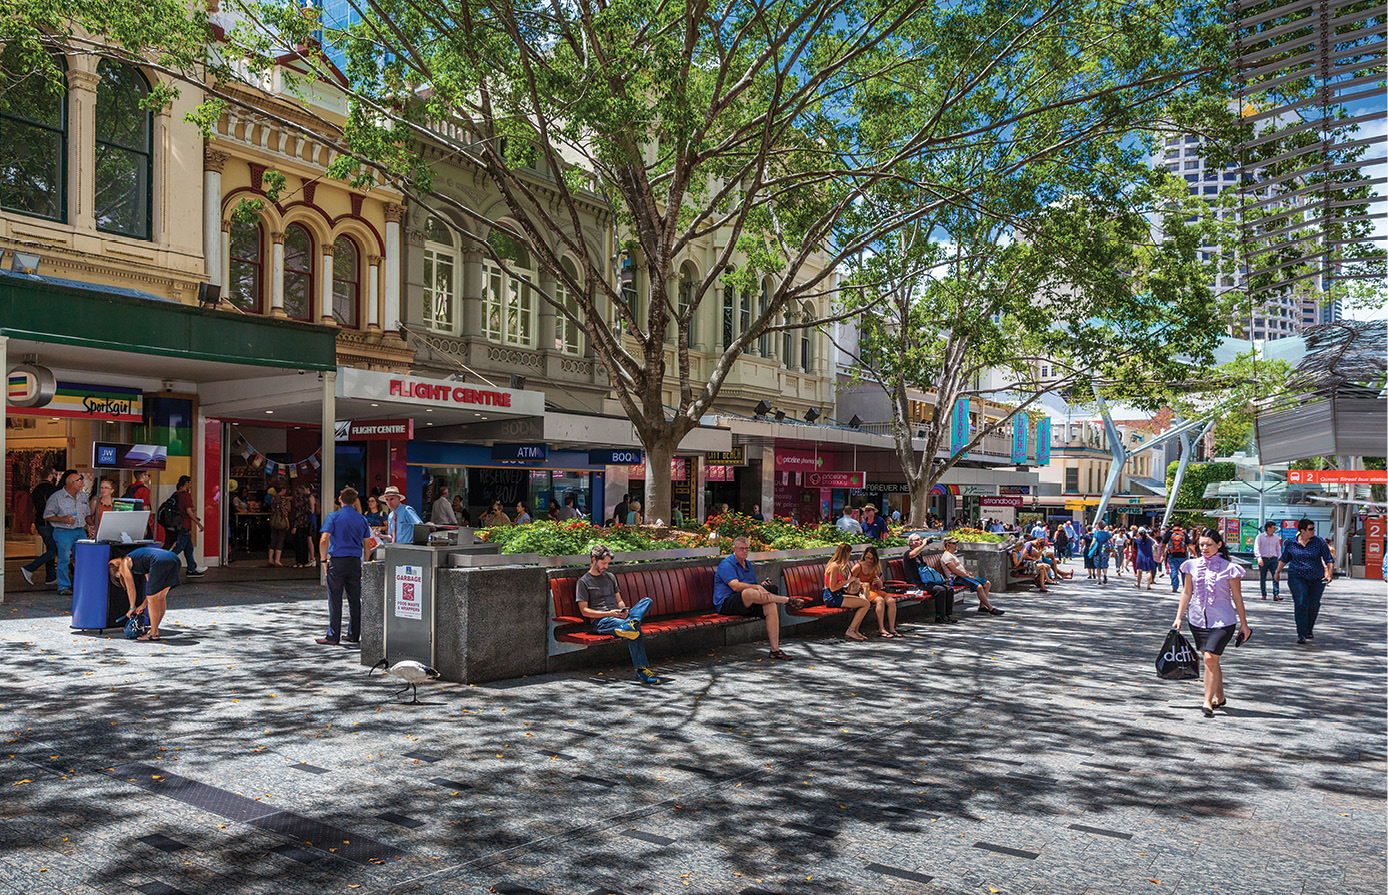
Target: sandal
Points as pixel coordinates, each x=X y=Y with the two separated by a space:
x=854 y=635
x=795 y=604
x=779 y=654
x=148 y=638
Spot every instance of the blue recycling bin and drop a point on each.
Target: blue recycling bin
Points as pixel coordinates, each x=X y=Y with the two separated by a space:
x=96 y=602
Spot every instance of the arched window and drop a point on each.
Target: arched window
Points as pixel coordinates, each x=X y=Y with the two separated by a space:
x=508 y=313
x=684 y=299
x=744 y=312
x=298 y=272
x=124 y=151
x=33 y=140
x=788 y=340
x=440 y=272
x=729 y=313
x=346 y=283
x=568 y=336
x=246 y=265
x=764 y=302
x=806 y=356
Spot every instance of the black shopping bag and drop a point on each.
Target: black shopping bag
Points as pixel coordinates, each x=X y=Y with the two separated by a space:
x=1177 y=660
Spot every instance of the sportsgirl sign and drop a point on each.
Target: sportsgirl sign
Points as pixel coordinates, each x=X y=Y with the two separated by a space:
x=413 y=390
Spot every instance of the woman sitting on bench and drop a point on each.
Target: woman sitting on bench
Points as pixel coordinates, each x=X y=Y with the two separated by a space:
x=868 y=571
x=841 y=589
x=1033 y=555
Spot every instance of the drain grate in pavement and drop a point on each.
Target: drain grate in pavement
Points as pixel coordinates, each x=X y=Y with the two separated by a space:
x=190 y=792
x=1004 y=850
x=449 y=784
x=401 y=820
x=358 y=849
x=1100 y=831
x=427 y=757
x=899 y=873
x=648 y=837
x=595 y=780
x=163 y=843
x=310 y=768
x=158 y=889
x=812 y=829
x=515 y=889
x=350 y=846
x=294 y=852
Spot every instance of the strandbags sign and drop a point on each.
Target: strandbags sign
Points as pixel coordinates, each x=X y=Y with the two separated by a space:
x=80 y=400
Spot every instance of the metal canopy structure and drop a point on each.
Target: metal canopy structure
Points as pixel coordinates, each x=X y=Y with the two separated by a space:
x=1344 y=410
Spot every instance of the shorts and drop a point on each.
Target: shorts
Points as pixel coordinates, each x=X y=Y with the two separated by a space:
x=734 y=606
x=833 y=598
x=969 y=581
x=1212 y=640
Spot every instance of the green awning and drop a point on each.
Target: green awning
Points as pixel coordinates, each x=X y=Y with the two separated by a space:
x=41 y=310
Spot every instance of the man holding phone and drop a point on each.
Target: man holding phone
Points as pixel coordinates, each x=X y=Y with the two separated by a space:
x=599 y=599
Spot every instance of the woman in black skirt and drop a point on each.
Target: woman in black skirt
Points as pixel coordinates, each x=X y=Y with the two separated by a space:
x=1213 y=595
x=160 y=569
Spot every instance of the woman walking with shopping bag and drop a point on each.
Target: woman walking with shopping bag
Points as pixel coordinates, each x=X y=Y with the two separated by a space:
x=1212 y=601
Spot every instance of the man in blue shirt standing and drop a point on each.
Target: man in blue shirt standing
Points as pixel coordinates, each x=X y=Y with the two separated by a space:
x=342 y=546
x=400 y=517
x=737 y=592
x=874 y=526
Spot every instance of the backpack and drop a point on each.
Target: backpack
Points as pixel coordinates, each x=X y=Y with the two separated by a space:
x=1178 y=542
x=167 y=517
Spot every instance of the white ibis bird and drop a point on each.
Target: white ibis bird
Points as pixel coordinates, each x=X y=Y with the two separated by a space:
x=411 y=672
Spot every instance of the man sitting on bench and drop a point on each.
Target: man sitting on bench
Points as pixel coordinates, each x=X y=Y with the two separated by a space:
x=736 y=592
x=598 y=598
x=961 y=575
x=938 y=592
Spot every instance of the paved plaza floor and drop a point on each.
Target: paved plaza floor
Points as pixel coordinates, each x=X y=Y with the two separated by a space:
x=1033 y=752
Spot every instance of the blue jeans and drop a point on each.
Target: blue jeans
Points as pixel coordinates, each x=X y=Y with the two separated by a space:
x=180 y=540
x=50 y=552
x=636 y=647
x=65 y=539
x=1306 y=601
x=1267 y=565
x=1175 y=563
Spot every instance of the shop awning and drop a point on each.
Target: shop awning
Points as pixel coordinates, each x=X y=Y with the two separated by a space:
x=48 y=312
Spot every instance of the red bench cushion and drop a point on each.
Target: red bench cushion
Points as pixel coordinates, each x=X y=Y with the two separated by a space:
x=680 y=599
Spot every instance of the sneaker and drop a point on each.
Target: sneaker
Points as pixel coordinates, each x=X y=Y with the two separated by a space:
x=28 y=575
x=628 y=629
x=647 y=676
x=196 y=573
x=1301 y=640
x=64 y=591
x=951 y=620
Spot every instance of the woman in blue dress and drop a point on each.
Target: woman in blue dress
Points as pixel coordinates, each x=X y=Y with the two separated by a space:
x=1143 y=560
x=160 y=571
x=1100 y=550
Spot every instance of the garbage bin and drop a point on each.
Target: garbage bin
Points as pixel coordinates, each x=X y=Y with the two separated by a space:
x=411 y=580
x=97 y=603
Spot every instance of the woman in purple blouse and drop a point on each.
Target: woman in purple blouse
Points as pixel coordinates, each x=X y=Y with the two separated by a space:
x=1212 y=600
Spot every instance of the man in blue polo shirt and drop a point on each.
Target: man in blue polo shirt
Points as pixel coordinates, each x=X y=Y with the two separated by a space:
x=400 y=517
x=736 y=591
x=342 y=546
x=874 y=526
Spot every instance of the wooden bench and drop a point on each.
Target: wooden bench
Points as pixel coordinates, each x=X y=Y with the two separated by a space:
x=682 y=599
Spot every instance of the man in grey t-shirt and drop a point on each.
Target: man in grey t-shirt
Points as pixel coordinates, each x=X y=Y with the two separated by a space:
x=598 y=599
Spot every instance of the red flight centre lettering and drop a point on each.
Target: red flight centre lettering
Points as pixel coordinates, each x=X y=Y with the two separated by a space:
x=426 y=391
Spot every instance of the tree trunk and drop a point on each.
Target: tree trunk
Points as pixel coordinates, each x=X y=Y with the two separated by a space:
x=659 y=452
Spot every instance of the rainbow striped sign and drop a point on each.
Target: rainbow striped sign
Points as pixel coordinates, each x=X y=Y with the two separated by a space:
x=78 y=400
